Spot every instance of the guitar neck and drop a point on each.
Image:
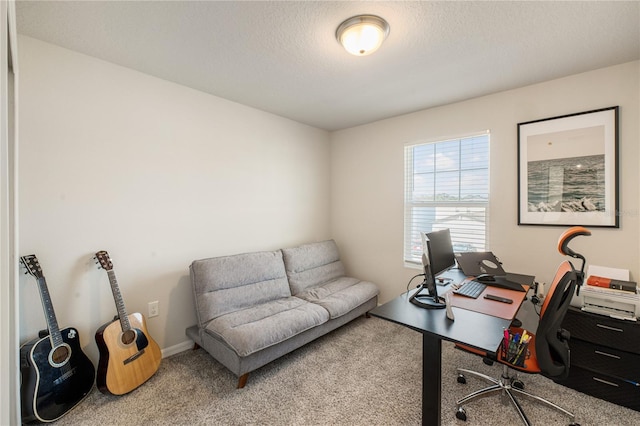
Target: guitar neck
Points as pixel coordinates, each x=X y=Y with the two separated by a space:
x=49 y=314
x=117 y=297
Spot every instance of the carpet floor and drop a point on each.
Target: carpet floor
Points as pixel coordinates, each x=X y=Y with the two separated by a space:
x=368 y=372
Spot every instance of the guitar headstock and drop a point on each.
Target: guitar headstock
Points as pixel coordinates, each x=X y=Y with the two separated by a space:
x=104 y=260
x=32 y=265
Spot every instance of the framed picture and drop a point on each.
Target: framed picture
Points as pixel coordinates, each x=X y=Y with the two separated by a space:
x=568 y=170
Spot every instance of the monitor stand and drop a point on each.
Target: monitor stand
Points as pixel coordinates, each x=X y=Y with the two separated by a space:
x=427 y=300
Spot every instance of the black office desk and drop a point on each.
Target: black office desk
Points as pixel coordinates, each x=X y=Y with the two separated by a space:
x=471 y=328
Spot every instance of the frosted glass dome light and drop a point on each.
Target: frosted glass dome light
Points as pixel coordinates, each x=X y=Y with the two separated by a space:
x=363 y=34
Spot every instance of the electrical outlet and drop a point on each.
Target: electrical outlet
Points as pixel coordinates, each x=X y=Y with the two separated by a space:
x=154 y=309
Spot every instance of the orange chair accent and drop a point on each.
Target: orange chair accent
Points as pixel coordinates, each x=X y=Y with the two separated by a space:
x=548 y=349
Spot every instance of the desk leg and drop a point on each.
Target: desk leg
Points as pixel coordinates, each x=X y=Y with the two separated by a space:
x=431 y=379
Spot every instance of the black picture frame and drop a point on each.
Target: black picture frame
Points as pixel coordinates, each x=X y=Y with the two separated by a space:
x=568 y=170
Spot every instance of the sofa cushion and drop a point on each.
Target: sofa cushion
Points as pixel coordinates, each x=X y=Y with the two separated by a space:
x=312 y=264
x=230 y=283
x=258 y=327
x=341 y=295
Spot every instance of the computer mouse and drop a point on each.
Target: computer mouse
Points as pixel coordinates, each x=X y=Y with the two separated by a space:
x=485 y=278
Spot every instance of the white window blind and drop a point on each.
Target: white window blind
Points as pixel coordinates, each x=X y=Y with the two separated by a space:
x=447 y=186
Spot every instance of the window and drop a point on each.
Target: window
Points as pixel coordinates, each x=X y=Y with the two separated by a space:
x=447 y=186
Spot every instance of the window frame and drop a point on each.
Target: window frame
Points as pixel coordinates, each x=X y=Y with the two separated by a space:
x=410 y=204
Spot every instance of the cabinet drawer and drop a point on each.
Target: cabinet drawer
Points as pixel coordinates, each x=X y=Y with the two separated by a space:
x=605 y=360
x=604 y=387
x=604 y=331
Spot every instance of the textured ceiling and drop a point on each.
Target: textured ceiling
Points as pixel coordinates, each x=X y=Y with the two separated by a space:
x=282 y=56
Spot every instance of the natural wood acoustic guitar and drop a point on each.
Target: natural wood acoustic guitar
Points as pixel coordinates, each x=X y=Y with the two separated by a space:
x=128 y=354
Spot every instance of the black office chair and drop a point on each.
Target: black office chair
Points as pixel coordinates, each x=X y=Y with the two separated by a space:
x=548 y=349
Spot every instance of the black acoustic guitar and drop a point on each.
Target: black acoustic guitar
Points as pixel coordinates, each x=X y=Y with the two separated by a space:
x=55 y=374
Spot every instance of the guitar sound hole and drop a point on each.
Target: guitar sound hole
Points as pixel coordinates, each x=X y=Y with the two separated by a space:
x=128 y=337
x=60 y=355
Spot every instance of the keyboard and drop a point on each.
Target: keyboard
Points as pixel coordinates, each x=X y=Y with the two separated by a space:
x=471 y=289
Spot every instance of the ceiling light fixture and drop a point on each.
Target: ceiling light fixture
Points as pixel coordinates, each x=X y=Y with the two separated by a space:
x=362 y=35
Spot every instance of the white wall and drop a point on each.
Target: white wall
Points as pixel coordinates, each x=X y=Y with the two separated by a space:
x=156 y=174
x=9 y=81
x=367 y=178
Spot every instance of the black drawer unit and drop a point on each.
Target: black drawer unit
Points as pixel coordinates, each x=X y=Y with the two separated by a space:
x=605 y=331
x=605 y=357
x=605 y=360
x=604 y=387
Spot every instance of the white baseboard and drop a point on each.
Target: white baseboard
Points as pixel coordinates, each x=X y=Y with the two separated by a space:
x=176 y=349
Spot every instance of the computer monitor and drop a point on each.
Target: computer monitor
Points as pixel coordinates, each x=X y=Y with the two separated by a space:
x=437 y=257
x=440 y=250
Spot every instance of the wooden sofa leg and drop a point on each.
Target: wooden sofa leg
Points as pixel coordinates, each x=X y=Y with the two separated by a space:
x=242 y=380
x=195 y=346
x=367 y=314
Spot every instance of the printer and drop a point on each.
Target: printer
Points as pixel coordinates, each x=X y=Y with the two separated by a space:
x=609 y=301
x=619 y=304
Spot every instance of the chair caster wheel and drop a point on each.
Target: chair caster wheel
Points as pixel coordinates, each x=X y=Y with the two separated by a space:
x=518 y=384
x=487 y=361
x=461 y=414
x=462 y=379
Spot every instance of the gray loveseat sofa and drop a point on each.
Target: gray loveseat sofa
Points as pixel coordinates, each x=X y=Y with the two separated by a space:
x=253 y=308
